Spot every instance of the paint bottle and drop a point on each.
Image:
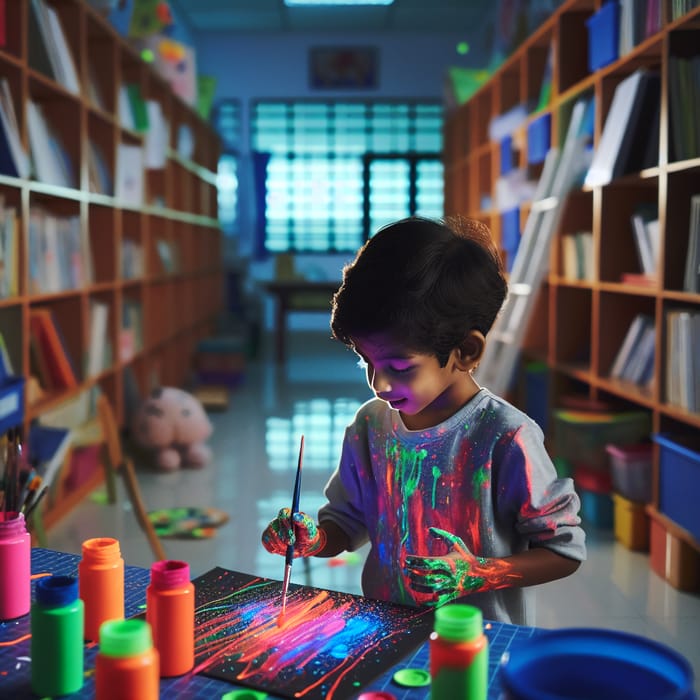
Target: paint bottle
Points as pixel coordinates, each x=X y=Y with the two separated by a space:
x=101 y=584
x=57 y=637
x=15 y=566
x=459 y=656
x=170 y=612
x=127 y=663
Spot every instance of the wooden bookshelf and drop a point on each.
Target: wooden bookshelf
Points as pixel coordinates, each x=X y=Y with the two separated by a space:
x=155 y=262
x=579 y=325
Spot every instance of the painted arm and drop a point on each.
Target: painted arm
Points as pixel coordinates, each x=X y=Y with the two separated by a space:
x=460 y=573
x=308 y=538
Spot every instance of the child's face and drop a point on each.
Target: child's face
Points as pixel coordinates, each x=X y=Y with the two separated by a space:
x=414 y=383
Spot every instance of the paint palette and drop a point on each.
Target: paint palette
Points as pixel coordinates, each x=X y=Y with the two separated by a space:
x=330 y=645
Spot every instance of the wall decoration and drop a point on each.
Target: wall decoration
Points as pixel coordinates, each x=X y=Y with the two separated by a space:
x=330 y=645
x=333 y=68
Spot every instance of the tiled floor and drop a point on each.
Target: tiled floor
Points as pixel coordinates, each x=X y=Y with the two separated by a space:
x=251 y=476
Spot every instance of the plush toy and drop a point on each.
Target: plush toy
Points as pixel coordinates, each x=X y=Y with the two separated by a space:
x=174 y=424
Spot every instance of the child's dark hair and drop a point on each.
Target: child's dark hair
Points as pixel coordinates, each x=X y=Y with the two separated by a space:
x=427 y=283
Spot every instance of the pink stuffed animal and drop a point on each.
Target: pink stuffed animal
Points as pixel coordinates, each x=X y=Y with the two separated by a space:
x=175 y=425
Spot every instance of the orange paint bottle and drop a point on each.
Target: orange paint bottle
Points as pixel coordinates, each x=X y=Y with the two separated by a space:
x=127 y=665
x=101 y=583
x=170 y=612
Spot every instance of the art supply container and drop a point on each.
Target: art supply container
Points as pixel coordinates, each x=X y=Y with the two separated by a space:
x=101 y=583
x=459 y=656
x=57 y=637
x=170 y=612
x=15 y=566
x=594 y=663
x=127 y=665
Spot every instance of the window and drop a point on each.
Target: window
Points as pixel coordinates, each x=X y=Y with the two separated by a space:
x=339 y=170
x=226 y=118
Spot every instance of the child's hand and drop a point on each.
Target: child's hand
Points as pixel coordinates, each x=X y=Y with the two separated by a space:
x=306 y=537
x=451 y=576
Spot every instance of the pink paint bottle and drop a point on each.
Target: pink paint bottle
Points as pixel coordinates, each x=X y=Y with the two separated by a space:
x=101 y=583
x=170 y=612
x=15 y=566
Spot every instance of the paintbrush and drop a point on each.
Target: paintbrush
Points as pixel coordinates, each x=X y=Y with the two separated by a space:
x=289 y=556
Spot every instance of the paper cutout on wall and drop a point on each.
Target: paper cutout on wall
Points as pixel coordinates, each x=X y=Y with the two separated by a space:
x=330 y=645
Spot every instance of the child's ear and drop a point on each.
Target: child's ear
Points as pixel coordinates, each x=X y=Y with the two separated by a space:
x=470 y=351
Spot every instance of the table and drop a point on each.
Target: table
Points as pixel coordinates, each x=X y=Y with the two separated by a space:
x=15 y=641
x=288 y=297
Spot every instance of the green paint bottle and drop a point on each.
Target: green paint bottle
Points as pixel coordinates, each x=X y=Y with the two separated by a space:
x=459 y=654
x=57 y=637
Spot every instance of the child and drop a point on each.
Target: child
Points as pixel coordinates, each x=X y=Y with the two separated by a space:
x=450 y=484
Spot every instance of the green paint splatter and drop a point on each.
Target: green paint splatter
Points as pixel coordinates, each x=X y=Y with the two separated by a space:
x=436 y=475
x=408 y=465
x=481 y=477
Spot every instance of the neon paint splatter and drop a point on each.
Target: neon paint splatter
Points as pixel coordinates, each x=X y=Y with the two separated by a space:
x=331 y=642
x=436 y=475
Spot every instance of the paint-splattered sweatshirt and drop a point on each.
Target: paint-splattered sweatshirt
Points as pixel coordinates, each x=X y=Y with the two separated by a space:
x=483 y=474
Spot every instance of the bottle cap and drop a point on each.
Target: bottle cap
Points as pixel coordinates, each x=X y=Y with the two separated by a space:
x=122 y=638
x=101 y=550
x=12 y=524
x=170 y=574
x=458 y=622
x=56 y=591
x=412 y=677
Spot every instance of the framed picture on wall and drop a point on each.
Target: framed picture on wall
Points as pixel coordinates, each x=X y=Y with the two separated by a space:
x=339 y=68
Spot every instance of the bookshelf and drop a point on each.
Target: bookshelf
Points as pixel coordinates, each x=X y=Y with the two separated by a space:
x=580 y=321
x=142 y=279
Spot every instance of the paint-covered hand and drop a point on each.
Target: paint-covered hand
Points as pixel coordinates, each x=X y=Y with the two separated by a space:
x=446 y=578
x=300 y=531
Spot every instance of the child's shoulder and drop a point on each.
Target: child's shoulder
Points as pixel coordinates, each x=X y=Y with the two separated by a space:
x=496 y=410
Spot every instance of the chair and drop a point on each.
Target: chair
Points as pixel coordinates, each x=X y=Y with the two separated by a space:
x=118 y=462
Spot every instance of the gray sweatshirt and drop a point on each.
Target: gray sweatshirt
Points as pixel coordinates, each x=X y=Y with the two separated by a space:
x=483 y=475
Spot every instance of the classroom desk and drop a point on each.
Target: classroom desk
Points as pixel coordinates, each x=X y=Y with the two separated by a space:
x=15 y=641
x=289 y=296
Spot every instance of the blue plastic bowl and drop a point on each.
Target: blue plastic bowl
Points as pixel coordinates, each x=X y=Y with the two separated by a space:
x=582 y=664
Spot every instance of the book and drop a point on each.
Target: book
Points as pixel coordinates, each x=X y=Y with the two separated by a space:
x=138 y=107
x=626 y=132
x=634 y=334
x=61 y=56
x=50 y=345
x=691 y=279
x=639 y=367
x=129 y=178
x=686 y=394
x=39 y=58
x=642 y=215
x=48 y=448
x=13 y=158
x=99 y=332
x=9 y=252
x=51 y=163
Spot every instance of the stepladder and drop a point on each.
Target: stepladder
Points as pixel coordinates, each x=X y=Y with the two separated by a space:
x=563 y=170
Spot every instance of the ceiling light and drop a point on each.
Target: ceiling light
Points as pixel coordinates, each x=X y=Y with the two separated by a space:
x=331 y=3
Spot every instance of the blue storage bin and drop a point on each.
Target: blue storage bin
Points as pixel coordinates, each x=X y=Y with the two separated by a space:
x=538 y=138
x=679 y=481
x=11 y=403
x=506 y=155
x=603 y=36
